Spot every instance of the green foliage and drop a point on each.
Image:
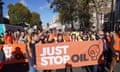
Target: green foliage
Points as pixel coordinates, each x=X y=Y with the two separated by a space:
x=72 y=10
x=18 y=13
x=35 y=19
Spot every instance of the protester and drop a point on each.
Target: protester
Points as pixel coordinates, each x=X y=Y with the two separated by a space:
x=32 y=59
x=22 y=38
x=91 y=36
x=116 y=49
x=60 y=38
x=8 y=38
x=73 y=38
x=32 y=38
x=66 y=37
x=85 y=37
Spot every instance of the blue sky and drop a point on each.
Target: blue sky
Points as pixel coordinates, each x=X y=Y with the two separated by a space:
x=39 y=6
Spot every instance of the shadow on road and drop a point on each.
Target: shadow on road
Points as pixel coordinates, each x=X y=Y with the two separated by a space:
x=20 y=67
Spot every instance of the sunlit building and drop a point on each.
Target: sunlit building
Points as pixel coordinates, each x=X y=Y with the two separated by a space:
x=104 y=13
x=117 y=15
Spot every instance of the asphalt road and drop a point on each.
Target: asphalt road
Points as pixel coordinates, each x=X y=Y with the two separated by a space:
x=23 y=67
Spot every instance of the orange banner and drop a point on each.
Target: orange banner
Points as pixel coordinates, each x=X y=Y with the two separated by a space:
x=61 y=55
x=14 y=53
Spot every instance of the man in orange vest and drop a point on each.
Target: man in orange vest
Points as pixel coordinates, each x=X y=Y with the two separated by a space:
x=116 y=50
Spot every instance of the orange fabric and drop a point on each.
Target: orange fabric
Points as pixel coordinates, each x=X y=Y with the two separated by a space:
x=51 y=37
x=59 y=55
x=8 y=39
x=116 y=43
x=66 y=38
x=28 y=38
x=18 y=53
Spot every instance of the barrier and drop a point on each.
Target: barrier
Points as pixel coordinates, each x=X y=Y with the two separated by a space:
x=75 y=54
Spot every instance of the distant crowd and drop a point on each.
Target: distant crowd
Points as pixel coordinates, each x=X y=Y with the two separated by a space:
x=51 y=36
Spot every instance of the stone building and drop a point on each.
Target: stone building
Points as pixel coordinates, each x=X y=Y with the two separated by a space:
x=117 y=15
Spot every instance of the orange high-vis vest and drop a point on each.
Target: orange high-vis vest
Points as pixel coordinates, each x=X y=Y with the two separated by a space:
x=116 y=42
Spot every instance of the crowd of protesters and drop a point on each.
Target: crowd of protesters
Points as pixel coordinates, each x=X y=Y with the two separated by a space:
x=33 y=37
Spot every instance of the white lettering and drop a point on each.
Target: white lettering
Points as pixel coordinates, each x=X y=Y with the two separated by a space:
x=58 y=60
x=52 y=60
x=54 y=50
x=44 y=52
x=66 y=58
x=8 y=51
x=50 y=51
x=44 y=61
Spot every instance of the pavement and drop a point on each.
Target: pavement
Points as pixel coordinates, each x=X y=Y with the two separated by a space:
x=23 y=67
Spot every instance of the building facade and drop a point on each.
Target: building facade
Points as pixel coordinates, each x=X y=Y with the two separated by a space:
x=117 y=15
x=104 y=13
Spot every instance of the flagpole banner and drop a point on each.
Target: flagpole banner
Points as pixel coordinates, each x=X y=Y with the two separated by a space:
x=61 y=55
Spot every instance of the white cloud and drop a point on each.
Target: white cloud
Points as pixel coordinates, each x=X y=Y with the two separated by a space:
x=7 y=16
x=45 y=6
x=23 y=2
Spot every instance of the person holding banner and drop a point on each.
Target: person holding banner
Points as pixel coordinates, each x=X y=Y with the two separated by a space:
x=103 y=57
x=85 y=37
x=32 y=56
x=59 y=40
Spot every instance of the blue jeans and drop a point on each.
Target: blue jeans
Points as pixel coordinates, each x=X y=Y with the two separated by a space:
x=95 y=68
x=32 y=69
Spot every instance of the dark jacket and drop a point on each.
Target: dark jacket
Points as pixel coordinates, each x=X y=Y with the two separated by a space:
x=32 y=48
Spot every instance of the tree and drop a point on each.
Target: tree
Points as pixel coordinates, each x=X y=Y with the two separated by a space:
x=18 y=13
x=98 y=4
x=71 y=11
x=35 y=19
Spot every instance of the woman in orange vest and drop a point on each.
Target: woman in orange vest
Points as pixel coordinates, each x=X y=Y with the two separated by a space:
x=116 y=49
